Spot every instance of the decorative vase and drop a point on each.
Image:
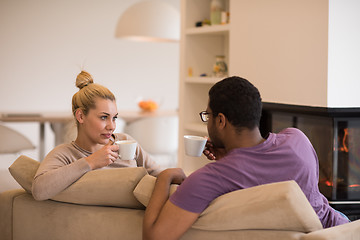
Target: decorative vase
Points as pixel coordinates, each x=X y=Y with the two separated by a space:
x=220 y=67
x=216 y=7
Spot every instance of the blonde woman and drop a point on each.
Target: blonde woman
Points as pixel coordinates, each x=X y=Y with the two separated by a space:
x=95 y=111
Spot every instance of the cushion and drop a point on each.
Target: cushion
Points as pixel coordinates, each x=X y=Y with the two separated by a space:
x=105 y=187
x=348 y=231
x=276 y=206
x=145 y=188
x=23 y=171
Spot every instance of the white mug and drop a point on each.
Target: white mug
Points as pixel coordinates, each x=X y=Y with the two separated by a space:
x=127 y=149
x=194 y=145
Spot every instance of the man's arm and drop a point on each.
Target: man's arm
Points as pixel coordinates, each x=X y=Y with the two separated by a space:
x=163 y=219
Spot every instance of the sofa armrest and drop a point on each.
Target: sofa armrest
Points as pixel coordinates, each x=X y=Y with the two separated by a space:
x=348 y=231
x=6 y=212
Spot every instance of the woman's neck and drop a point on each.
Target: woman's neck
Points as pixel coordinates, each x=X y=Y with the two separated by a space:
x=84 y=143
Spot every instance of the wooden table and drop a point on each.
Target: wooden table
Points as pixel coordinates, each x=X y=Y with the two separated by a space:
x=58 y=120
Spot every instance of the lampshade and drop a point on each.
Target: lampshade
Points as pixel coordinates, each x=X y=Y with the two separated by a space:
x=152 y=20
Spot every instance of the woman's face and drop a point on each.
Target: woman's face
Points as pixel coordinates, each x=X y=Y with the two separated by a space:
x=99 y=123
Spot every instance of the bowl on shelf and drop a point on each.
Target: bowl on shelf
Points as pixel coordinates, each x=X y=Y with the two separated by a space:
x=148 y=105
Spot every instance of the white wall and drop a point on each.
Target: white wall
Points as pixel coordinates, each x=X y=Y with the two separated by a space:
x=281 y=47
x=45 y=43
x=299 y=52
x=344 y=53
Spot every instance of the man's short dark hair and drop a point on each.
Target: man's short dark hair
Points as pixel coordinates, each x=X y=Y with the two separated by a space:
x=238 y=100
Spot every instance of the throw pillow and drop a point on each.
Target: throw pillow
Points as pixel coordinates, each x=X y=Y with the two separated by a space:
x=145 y=188
x=274 y=206
x=23 y=171
x=105 y=187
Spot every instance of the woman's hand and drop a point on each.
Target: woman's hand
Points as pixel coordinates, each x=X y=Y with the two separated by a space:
x=104 y=156
x=212 y=152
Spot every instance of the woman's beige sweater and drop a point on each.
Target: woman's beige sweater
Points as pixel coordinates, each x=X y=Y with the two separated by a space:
x=66 y=163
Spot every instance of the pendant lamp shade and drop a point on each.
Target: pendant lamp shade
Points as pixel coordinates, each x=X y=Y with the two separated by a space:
x=152 y=20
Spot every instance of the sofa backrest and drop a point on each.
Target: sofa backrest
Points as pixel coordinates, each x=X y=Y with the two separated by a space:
x=275 y=206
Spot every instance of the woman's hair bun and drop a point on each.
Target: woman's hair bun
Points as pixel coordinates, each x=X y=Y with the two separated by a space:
x=83 y=79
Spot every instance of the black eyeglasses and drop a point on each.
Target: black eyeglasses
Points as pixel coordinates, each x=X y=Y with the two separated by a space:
x=205 y=116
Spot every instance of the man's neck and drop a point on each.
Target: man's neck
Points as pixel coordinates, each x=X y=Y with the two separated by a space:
x=244 y=139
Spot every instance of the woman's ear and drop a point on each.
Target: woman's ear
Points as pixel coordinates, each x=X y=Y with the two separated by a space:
x=79 y=114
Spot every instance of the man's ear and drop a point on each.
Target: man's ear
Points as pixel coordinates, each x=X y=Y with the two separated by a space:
x=222 y=120
x=79 y=114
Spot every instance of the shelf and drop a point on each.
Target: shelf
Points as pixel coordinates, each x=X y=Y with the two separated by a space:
x=205 y=80
x=215 y=30
x=199 y=48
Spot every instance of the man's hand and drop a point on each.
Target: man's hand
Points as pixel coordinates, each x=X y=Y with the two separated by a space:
x=162 y=219
x=176 y=175
x=212 y=152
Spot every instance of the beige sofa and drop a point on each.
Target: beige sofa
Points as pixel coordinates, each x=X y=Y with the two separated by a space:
x=109 y=204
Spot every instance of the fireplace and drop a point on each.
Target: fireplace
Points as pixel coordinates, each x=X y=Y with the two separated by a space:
x=335 y=135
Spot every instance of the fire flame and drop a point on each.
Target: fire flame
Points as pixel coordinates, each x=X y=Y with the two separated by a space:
x=344 y=147
x=330 y=184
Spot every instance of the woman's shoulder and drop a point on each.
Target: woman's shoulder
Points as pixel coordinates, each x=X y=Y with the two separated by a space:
x=62 y=147
x=66 y=150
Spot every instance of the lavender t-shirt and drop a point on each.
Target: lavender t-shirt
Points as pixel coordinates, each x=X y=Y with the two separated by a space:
x=287 y=155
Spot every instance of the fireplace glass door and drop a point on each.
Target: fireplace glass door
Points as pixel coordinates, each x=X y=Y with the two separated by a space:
x=337 y=144
x=346 y=170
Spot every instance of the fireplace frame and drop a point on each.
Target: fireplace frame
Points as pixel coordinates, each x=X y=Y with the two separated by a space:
x=276 y=116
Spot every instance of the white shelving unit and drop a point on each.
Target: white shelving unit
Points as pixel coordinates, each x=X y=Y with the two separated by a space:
x=198 y=48
x=280 y=46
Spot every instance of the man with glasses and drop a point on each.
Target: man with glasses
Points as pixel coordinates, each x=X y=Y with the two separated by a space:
x=243 y=159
